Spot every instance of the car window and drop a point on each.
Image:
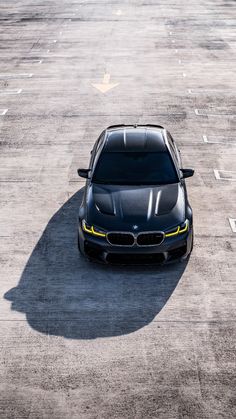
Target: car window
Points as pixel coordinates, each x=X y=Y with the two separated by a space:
x=135 y=168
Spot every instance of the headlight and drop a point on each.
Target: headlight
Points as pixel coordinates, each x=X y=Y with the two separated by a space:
x=182 y=228
x=92 y=230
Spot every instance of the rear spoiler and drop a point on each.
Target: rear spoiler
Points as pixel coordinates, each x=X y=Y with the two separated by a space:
x=135 y=126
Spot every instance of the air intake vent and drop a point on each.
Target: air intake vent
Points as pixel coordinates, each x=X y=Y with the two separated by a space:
x=135 y=259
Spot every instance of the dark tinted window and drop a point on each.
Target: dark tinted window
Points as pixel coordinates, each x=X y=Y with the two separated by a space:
x=135 y=168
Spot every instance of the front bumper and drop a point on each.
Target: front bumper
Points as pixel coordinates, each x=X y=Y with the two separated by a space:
x=171 y=249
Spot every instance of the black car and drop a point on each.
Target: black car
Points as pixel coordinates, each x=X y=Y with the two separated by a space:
x=135 y=207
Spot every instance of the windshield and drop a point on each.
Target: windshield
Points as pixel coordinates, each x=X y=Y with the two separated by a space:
x=135 y=168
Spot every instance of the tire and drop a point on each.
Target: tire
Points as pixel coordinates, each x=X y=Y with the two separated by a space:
x=187 y=257
x=192 y=243
x=78 y=243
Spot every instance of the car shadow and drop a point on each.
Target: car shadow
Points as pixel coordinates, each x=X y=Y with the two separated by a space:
x=63 y=294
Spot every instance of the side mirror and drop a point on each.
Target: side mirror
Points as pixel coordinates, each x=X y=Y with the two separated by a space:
x=187 y=172
x=83 y=173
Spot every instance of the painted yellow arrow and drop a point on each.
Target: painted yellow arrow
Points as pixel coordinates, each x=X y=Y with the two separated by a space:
x=105 y=86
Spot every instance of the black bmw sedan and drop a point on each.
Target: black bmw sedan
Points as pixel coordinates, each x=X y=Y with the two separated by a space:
x=135 y=207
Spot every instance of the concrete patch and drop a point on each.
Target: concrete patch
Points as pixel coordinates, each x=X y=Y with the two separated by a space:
x=214 y=45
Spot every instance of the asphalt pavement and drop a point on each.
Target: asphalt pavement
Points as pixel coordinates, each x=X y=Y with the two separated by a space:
x=80 y=340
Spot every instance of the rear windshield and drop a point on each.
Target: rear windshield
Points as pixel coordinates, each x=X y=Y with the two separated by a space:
x=135 y=168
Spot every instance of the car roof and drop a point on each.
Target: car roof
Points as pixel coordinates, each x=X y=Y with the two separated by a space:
x=134 y=138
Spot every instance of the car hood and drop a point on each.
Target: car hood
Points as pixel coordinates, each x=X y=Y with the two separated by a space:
x=135 y=207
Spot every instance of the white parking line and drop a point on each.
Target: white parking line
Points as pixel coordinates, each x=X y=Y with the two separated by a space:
x=227 y=141
x=3 y=112
x=32 y=61
x=204 y=91
x=184 y=74
x=203 y=112
x=10 y=92
x=216 y=173
x=16 y=76
x=176 y=51
x=230 y=176
x=232 y=222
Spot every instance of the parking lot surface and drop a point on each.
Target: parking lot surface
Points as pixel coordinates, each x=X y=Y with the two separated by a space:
x=81 y=340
